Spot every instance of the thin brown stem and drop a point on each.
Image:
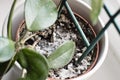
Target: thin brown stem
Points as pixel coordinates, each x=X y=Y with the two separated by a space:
x=35 y=43
x=28 y=37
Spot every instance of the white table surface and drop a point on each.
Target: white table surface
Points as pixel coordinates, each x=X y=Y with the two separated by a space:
x=110 y=70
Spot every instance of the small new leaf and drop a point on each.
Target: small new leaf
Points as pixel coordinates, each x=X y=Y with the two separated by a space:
x=62 y=55
x=96 y=8
x=7 y=49
x=40 y=15
x=35 y=64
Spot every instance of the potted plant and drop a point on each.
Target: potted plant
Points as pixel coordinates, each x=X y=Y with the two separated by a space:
x=36 y=66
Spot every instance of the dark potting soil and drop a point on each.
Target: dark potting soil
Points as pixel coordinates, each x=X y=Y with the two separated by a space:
x=51 y=38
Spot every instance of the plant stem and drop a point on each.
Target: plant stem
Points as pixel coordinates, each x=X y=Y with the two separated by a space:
x=60 y=6
x=36 y=42
x=9 y=29
x=9 y=24
x=9 y=64
x=23 y=36
x=24 y=39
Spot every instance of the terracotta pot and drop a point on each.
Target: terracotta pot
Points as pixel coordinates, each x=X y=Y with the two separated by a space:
x=80 y=8
x=96 y=54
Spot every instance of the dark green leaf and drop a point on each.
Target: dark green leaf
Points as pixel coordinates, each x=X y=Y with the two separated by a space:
x=96 y=8
x=22 y=59
x=37 y=66
x=62 y=55
x=7 y=49
x=40 y=15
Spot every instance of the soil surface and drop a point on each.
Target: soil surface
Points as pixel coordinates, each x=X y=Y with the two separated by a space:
x=47 y=41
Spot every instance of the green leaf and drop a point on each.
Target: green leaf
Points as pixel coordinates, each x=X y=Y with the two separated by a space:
x=22 y=59
x=96 y=8
x=40 y=14
x=37 y=66
x=7 y=49
x=62 y=55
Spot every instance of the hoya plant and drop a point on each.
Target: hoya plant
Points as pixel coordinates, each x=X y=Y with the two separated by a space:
x=39 y=15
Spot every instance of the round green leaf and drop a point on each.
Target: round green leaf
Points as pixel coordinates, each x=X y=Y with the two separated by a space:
x=37 y=65
x=40 y=14
x=7 y=49
x=62 y=55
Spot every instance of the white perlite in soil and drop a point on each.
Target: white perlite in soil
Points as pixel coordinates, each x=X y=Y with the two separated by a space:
x=51 y=38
